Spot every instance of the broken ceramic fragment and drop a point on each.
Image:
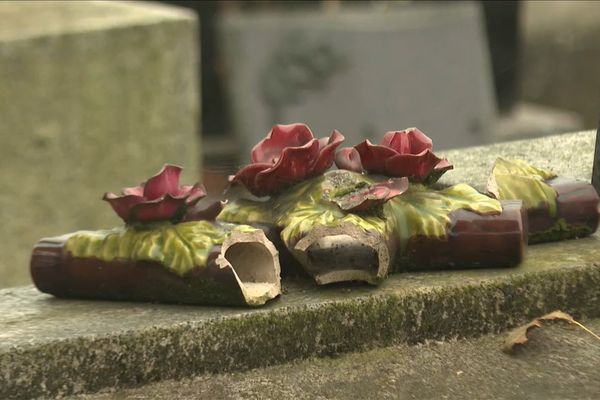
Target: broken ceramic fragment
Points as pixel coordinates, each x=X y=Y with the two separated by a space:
x=192 y=262
x=420 y=228
x=346 y=225
x=470 y=240
x=558 y=208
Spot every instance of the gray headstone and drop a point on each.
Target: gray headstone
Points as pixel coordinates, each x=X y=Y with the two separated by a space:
x=94 y=96
x=362 y=71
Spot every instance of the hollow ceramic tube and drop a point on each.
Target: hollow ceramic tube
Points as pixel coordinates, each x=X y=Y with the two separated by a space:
x=243 y=270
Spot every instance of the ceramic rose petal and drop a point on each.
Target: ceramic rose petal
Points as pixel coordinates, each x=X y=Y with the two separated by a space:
x=162 y=209
x=123 y=204
x=135 y=191
x=160 y=198
x=208 y=213
x=295 y=164
x=440 y=168
x=247 y=176
x=408 y=141
x=269 y=149
x=165 y=182
x=193 y=193
x=348 y=159
x=327 y=152
x=406 y=153
x=418 y=167
x=372 y=195
x=373 y=156
x=289 y=154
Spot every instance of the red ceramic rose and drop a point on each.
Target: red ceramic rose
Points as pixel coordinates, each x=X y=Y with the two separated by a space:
x=289 y=154
x=406 y=153
x=160 y=198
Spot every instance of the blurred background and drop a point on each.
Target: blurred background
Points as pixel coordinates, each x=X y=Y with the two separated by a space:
x=99 y=95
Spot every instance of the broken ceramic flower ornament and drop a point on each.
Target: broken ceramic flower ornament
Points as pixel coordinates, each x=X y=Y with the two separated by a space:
x=167 y=251
x=378 y=213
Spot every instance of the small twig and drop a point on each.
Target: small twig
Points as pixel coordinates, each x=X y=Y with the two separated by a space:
x=580 y=325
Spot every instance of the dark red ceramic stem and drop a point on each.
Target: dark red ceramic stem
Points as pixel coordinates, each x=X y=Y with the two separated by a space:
x=56 y=272
x=472 y=241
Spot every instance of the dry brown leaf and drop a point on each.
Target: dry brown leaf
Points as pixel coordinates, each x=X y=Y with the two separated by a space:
x=518 y=336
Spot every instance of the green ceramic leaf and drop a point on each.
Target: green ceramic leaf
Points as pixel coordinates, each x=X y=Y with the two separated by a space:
x=302 y=219
x=179 y=247
x=517 y=180
x=245 y=211
x=299 y=209
x=422 y=211
x=419 y=211
x=307 y=206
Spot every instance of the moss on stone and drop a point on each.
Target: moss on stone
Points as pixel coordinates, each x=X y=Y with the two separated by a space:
x=560 y=231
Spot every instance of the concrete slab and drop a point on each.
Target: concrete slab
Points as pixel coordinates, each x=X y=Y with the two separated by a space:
x=54 y=347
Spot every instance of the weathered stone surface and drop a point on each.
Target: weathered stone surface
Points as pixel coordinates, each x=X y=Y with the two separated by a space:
x=93 y=95
x=67 y=346
x=558 y=363
x=570 y=155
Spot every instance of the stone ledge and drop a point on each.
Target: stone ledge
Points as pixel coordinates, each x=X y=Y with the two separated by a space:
x=51 y=346
x=558 y=363
x=54 y=347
